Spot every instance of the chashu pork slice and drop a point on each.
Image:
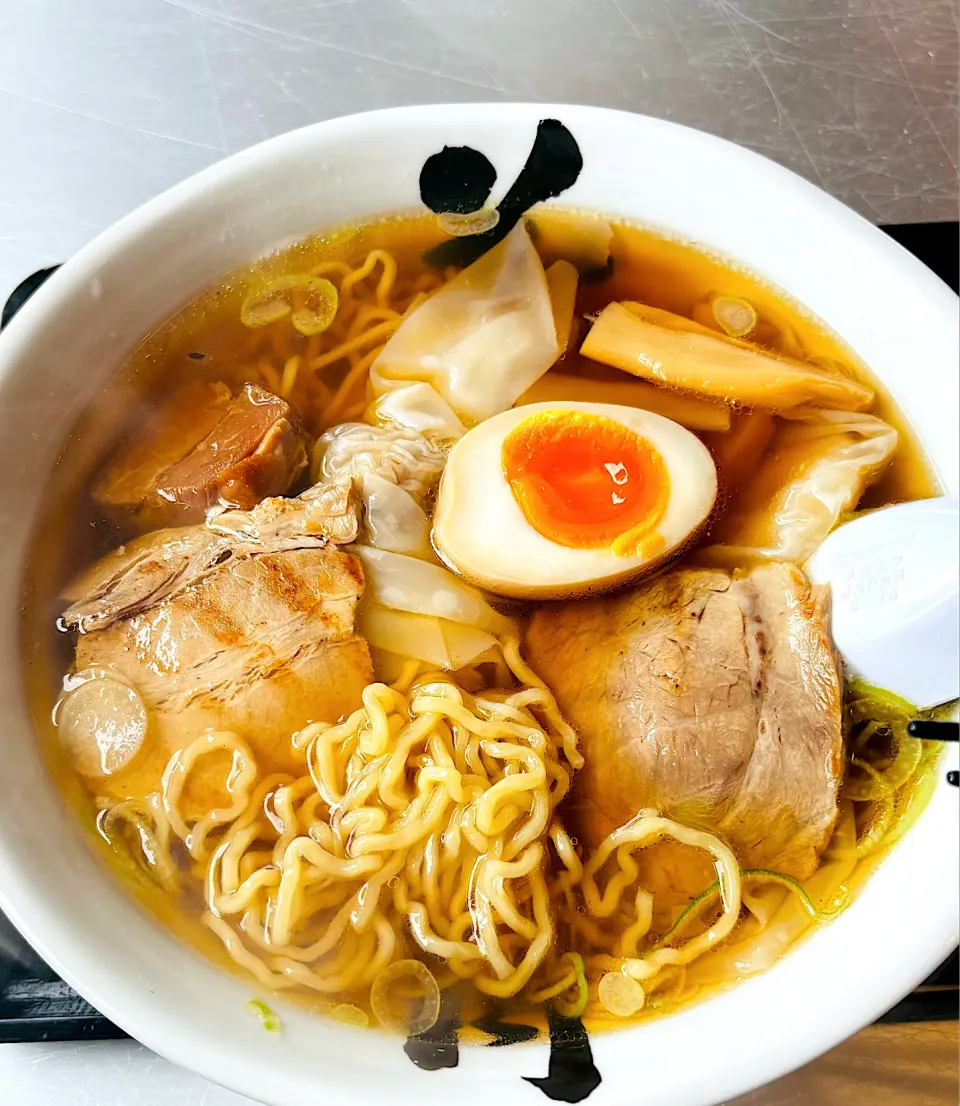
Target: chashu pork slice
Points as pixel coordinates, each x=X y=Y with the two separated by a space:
x=201 y=447
x=157 y=565
x=224 y=633
x=713 y=699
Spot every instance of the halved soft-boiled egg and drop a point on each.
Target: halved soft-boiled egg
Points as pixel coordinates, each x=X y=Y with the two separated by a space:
x=547 y=500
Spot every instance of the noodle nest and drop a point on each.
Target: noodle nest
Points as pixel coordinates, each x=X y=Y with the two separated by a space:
x=422 y=845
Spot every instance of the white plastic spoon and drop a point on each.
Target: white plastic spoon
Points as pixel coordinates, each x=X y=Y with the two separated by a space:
x=894 y=575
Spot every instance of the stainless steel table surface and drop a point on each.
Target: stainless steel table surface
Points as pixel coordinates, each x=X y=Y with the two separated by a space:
x=104 y=103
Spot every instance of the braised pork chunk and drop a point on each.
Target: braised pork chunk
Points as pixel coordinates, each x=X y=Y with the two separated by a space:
x=203 y=446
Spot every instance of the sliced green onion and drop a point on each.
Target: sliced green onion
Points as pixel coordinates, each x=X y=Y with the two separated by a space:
x=102 y=725
x=311 y=301
x=405 y=997
x=576 y=1008
x=878 y=708
x=764 y=875
x=349 y=1014
x=735 y=316
x=460 y=225
x=906 y=761
x=692 y=910
x=882 y=814
x=268 y=1019
x=866 y=703
x=620 y=994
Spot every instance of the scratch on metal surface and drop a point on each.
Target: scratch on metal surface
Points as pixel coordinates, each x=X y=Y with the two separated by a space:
x=39 y=213
x=94 y=118
x=635 y=31
x=726 y=8
x=755 y=23
x=881 y=22
x=279 y=85
x=838 y=69
x=262 y=33
x=208 y=72
x=859 y=96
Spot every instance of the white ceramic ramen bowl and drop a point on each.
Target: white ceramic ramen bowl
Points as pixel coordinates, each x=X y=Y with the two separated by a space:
x=897 y=316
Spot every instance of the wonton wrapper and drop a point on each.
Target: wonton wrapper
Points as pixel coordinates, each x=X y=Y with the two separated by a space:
x=395 y=470
x=403 y=583
x=412 y=605
x=438 y=641
x=403 y=457
x=393 y=519
x=819 y=465
x=419 y=408
x=418 y=608
x=478 y=343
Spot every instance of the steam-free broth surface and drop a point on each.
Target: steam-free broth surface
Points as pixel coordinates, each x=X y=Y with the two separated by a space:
x=315 y=752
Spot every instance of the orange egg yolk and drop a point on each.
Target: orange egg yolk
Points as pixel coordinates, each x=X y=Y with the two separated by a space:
x=587 y=482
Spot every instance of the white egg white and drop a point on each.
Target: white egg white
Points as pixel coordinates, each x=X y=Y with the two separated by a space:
x=480 y=531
